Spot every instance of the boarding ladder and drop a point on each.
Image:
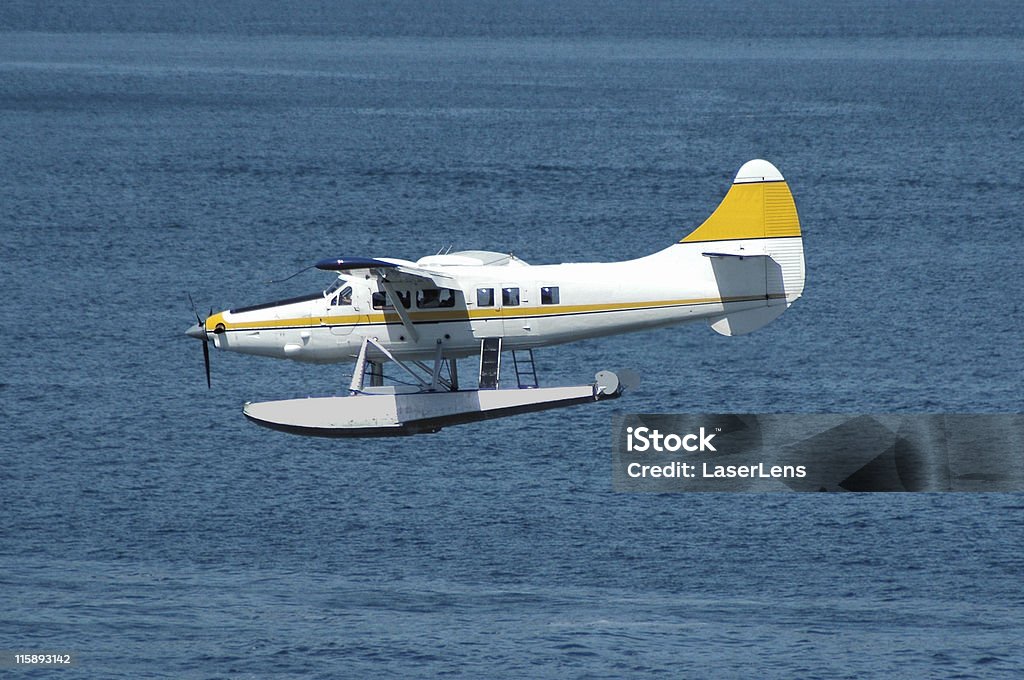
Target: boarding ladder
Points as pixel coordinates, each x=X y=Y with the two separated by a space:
x=526 y=369
x=490 y=363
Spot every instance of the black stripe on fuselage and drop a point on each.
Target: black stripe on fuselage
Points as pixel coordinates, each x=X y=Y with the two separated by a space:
x=268 y=305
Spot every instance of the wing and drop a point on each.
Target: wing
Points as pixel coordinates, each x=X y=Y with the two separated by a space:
x=388 y=269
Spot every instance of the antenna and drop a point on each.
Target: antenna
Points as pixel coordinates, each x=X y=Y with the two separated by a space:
x=292 y=276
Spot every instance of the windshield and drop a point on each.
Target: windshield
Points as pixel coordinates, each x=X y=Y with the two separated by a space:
x=338 y=283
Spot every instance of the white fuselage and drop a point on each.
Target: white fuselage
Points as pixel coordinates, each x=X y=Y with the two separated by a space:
x=528 y=307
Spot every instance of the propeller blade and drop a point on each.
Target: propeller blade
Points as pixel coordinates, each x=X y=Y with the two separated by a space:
x=194 y=310
x=199 y=333
x=206 y=360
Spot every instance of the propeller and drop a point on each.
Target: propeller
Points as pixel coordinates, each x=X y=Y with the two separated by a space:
x=206 y=362
x=199 y=332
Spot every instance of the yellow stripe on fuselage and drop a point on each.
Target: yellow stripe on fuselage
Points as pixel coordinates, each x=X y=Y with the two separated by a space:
x=451 y=315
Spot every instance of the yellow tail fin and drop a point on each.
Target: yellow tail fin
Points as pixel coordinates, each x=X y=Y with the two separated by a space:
x=758 y=205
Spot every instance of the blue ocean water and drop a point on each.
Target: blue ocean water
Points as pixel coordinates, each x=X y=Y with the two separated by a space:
x=149 y=151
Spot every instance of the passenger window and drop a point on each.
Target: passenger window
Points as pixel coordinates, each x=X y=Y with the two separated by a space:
x=484 y=297
x=430 y=298
x=549 y=295
x=510 y=297
x=427 y=298
x=382 y=301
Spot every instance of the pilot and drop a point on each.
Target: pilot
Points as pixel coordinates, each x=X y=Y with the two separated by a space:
x=342 y=298
x=427 y=298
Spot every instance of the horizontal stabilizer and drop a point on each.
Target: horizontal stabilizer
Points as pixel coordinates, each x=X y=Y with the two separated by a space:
x=740 y=255
x=746 y=321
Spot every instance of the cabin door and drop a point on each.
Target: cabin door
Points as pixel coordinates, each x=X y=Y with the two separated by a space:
x=515 y=306
x=350 y=310
x=486 y=311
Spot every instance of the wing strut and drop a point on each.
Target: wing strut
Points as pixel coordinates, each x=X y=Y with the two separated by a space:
x=356 y=386
x=438 y=360
x=436 y=384
x=400 y=308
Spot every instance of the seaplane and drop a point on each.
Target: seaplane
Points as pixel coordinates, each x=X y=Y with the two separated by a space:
x=737 y=271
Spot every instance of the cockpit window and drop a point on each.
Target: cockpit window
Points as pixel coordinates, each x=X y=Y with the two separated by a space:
x=344 y=298
x=338 y=283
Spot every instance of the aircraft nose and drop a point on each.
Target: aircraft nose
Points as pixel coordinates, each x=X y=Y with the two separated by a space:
x=196 y=331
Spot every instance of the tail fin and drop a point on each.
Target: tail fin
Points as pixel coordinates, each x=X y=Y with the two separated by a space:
x=753 y=240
